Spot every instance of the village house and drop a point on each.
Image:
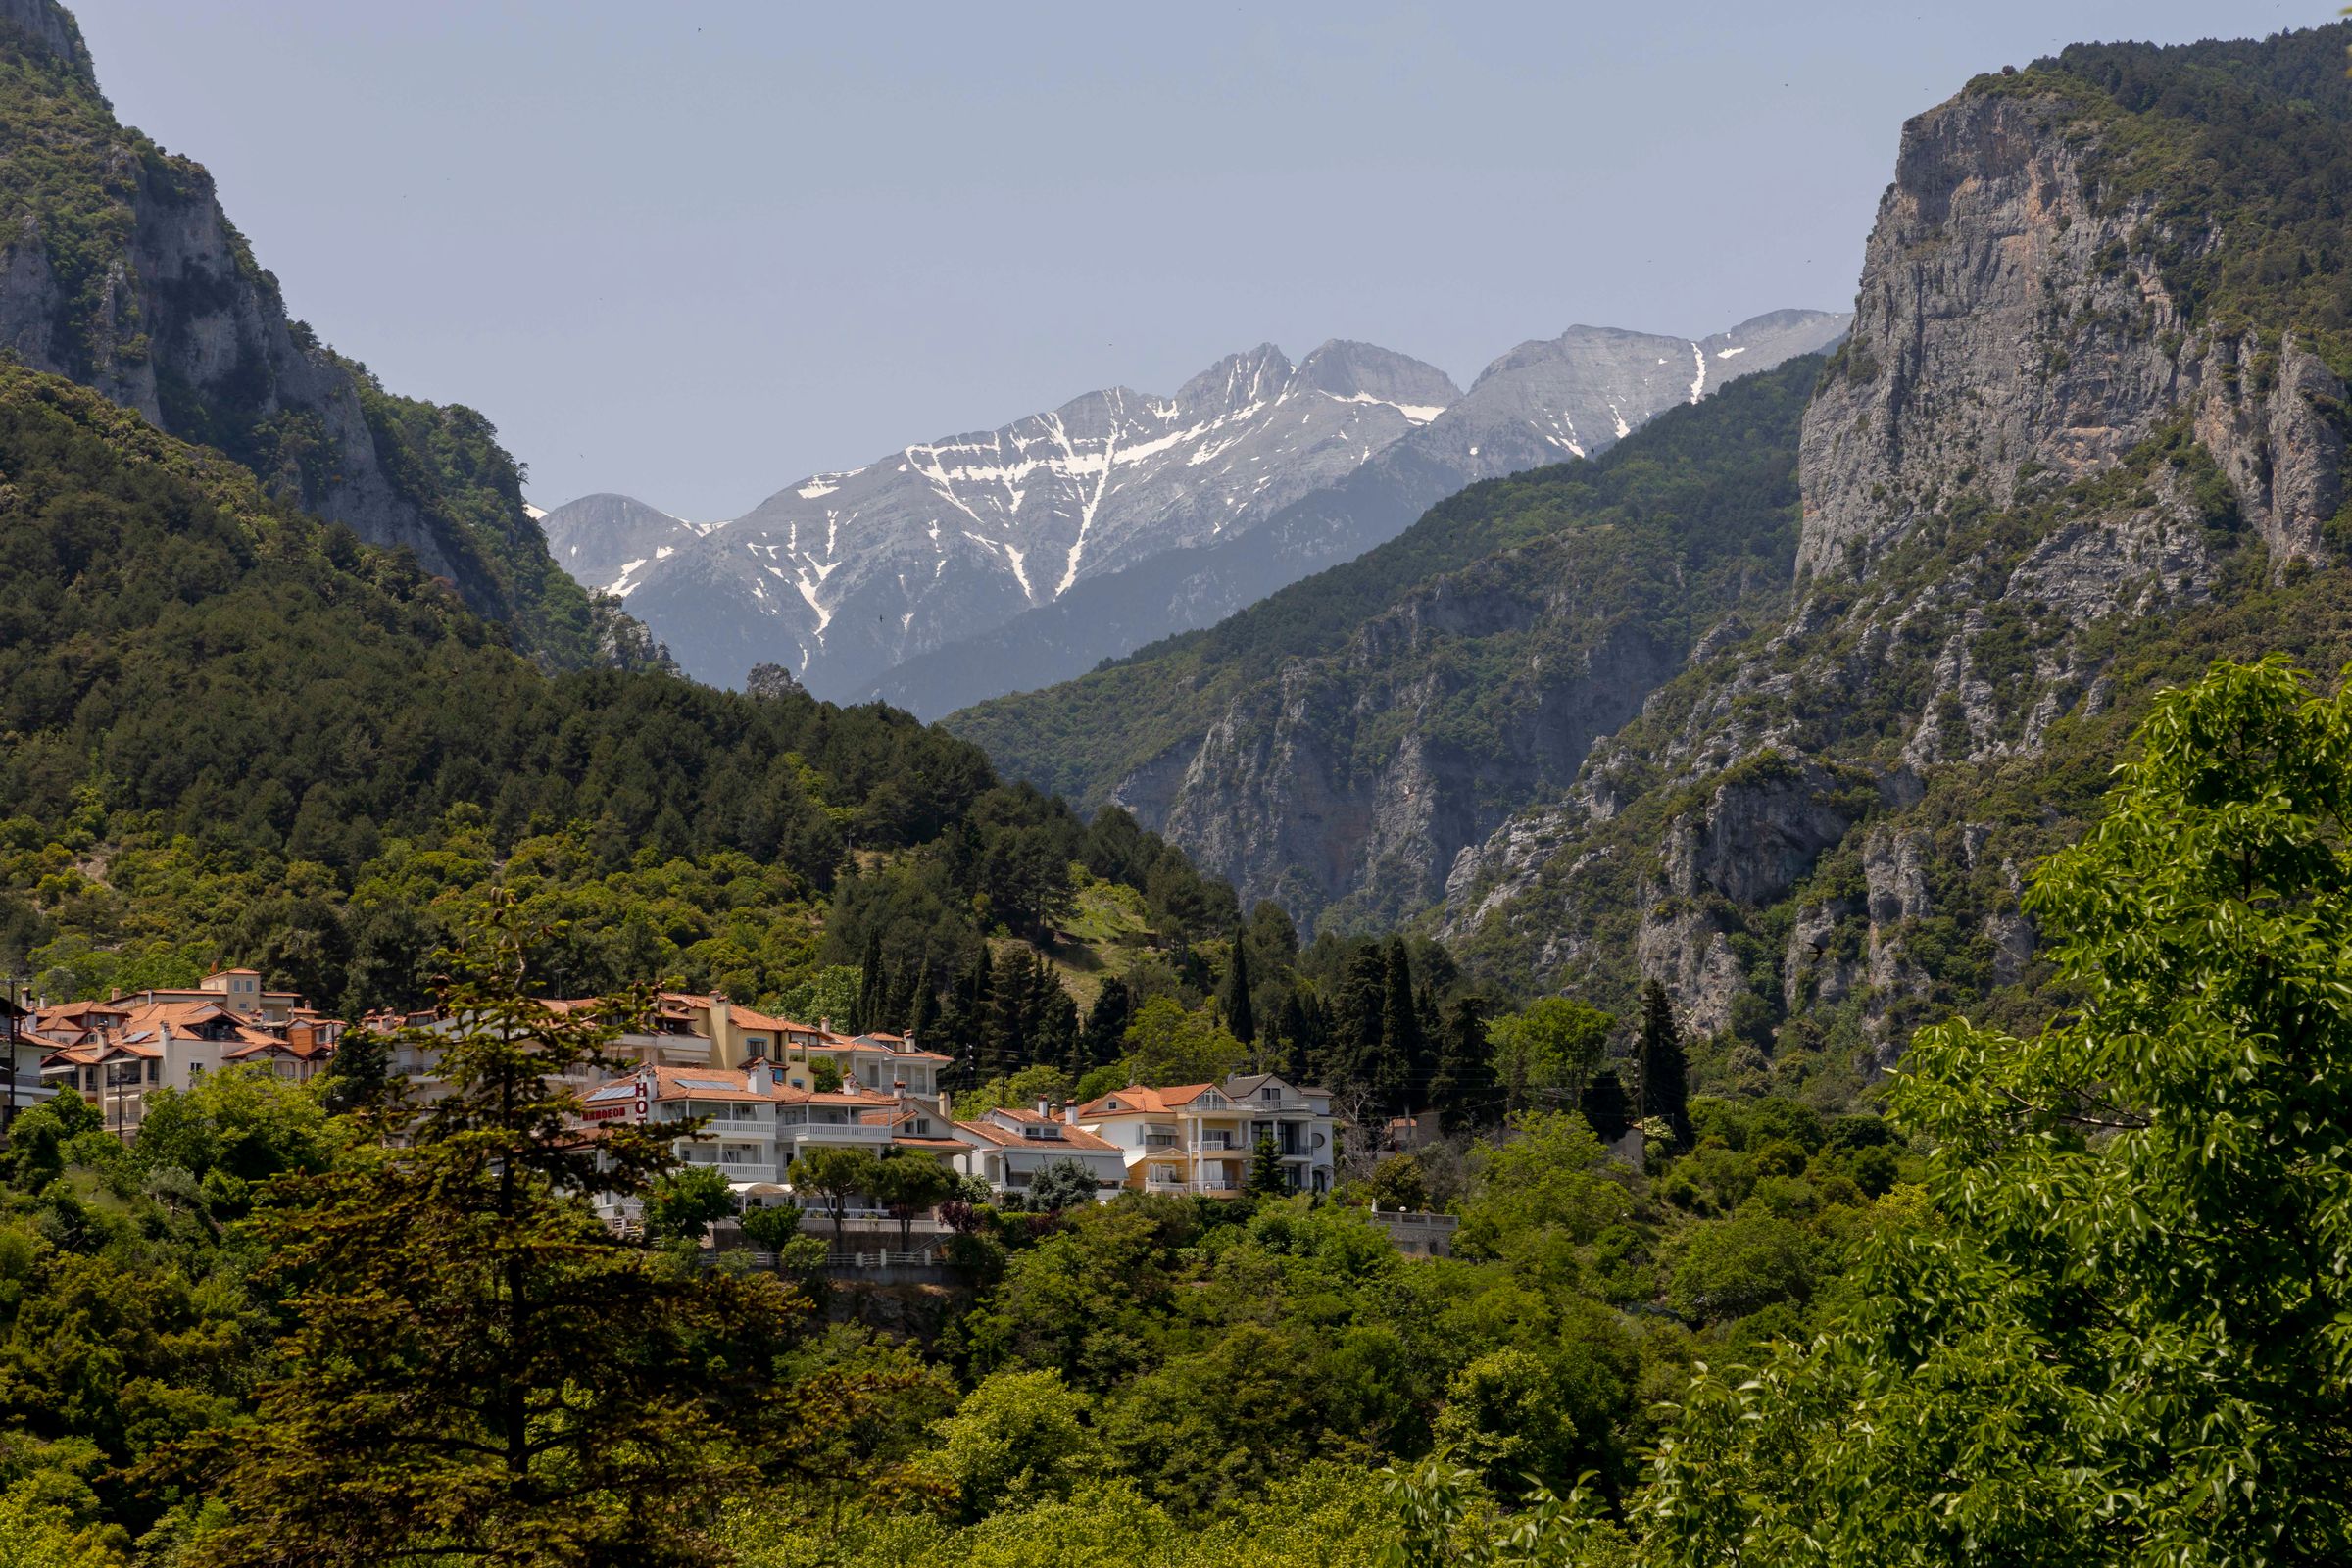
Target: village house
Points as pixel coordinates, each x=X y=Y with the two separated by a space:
x=1009 y=1149
x=1199 y=1137
x=755 y=1121
x=21 y=1053
x=116 y=1053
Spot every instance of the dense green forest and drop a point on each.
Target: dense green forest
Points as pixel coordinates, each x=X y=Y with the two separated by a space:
x=2085 y=1288
x=234 y=733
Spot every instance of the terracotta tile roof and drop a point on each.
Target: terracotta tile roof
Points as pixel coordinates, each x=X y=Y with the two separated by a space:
x=1025 y=1136
x=1136 y=1097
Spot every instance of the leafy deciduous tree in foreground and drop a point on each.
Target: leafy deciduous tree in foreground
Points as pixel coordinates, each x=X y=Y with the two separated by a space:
x=2118 y=1328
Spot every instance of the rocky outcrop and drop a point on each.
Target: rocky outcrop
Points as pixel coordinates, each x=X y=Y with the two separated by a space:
x=1342 y=788
x=1761 y=830
x=47 y=28
x=2011 y=326
x=2275 y=421
x=186 y=329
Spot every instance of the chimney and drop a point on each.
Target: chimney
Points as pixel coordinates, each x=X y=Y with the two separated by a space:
x=1045 y=1108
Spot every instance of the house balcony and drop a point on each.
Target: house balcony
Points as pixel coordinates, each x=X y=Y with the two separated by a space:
x=836 y=1133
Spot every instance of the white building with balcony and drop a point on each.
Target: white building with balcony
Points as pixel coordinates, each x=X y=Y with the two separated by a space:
x=1009 y=1149
x=755 y=1121
x=1201 y=1138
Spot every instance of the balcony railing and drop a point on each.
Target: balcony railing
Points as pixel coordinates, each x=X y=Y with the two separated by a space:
x=836 y=1133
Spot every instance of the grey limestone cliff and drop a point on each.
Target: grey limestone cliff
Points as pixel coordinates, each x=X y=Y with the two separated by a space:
x=2033 y=479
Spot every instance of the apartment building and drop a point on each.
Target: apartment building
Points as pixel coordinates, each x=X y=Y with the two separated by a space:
x=1009 y=1149
x=118 y=1053
x=756 y=1121
x=1199 y=1137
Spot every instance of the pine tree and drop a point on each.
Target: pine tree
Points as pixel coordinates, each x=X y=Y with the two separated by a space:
x=1240 y=1019
x=1665 y=1089
x=475 y=1368
x=1004 y=1048
x=1052 y=1018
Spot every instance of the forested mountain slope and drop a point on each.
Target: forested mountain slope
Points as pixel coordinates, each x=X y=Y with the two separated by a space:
x=118 y=268
x=236 y=733
x=2088 y=433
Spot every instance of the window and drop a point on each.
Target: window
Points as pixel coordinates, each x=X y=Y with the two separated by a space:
x=1271 y=1095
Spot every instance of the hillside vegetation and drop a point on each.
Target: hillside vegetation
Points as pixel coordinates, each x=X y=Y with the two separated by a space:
x=124 y=274
x=236 y=733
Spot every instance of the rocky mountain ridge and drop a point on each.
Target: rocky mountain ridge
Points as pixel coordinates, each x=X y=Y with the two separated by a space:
x=1571 y=396
x=961 y=568
x=2065 y=457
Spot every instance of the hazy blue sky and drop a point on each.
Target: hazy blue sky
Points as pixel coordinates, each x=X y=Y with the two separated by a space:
x=694 y=249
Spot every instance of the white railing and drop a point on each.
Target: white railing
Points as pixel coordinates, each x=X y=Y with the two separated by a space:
x=835 y=1133
x=881 y=1259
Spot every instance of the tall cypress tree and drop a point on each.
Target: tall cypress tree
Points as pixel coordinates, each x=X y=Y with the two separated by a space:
x=1461 y=1089
x=1105 y=1037
x=966 y=1024
x=922 y=1012
x=1403 y=1074
x=1302 y=1025
x=1352 y=1046
x=1665 y=1092
x=1053 y=1036
x=1240 y=1017
x=873 y=989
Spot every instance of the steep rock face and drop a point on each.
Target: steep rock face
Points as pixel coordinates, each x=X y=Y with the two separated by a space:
x=1339 y=791
x=187 y=332
x=49 y=29
x=1545 y=400
x=2010 y=324
x=2039 y=483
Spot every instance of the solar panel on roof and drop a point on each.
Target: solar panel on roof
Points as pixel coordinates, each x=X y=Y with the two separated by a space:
x=710 y=1083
